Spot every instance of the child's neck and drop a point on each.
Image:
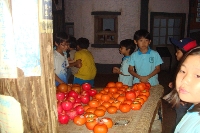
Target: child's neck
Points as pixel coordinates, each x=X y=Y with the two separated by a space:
x=60 y=51
x=144 y=50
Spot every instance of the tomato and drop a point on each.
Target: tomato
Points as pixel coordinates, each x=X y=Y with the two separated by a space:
x=91 y=109
x=110 y=84
x=137 y=92
x=91 y=123
x=112 y=89
x=112 y=109
x=136 y=106
x=141 y=86
x=115 y=95
x=107 y=121
x=106 y=104
x=86 y=86
x=140 y=100
x=93 y=103
x=130 y=95
x=105 y=97
x=106 y=89
x=90 y=116
x=100 y=128
x=128 y=102
x=98 y=96
x=119 y=84
x=62 y=87
x=124 y=107
x=79 y=120
x=102 y=107
x=76 y=88
x=134 y=87
x=116 y=104
x=143 y=97
x=145 y=92
x=86 y=107
x=121 y=98
x=148 y=86
x=99 y=112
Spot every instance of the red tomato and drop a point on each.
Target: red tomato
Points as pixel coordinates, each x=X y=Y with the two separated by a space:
x=130 y=95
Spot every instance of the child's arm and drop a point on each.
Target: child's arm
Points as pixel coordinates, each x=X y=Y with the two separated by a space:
x=116 y=70
x=58 y=79
x=77 y=63
x=132 y=72
x=145 y=78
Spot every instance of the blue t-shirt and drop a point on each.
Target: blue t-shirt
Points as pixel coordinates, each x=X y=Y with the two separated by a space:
x=190 y=123
x=127 y=80
x=145 y=64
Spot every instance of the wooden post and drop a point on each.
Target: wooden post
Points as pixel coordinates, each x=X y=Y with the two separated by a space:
x=36 y=94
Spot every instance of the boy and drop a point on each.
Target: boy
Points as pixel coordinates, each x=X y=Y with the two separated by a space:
x=145 y=60
x=126 y=48
x=87 y=71
x=60 y=59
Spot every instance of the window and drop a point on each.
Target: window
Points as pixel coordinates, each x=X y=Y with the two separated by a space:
x=165 y=25
x=105 y=27
x=69 y=27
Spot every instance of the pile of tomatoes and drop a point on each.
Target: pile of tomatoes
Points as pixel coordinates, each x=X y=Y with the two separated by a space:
x=70 y=100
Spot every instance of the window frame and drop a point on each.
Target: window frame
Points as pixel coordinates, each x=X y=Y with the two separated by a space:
x=181 y=16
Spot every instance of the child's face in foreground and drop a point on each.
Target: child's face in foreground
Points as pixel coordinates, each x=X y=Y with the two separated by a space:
x=143 y=44
x=124 y=51
x=64 y=46
x=188 y=80
x=179 y=54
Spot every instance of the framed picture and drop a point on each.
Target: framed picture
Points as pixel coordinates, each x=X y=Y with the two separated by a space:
x=197 y=19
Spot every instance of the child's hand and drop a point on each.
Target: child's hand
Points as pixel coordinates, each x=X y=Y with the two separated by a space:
x=116 y=70
x=79 y=63
x=143 y=79
x=170 y=85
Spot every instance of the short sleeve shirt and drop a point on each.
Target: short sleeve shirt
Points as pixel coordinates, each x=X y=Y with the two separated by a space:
x=127 y=80
x=190 y=123
x=88 y=69
x=145 y=64
x=60 y=66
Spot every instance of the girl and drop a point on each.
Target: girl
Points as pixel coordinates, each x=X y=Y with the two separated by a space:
x=187 y=88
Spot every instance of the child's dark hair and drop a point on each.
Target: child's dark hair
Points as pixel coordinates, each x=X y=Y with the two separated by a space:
x=141 y=33
x=183 y=51
x=128 y=44
x=83 y=43
x=173 y=97
x=61 y=37
x=72 y=42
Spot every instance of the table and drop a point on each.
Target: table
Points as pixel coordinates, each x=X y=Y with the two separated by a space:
x=139 y=121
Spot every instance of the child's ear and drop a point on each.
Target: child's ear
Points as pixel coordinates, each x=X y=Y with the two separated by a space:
x=135 y=42
x=56 y=44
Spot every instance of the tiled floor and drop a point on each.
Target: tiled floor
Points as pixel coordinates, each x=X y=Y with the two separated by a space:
x=168 y=122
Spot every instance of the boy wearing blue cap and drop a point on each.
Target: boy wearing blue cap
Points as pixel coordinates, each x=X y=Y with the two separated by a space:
x=182 y=46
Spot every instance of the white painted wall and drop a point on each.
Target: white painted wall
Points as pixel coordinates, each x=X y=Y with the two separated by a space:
x=79 y=12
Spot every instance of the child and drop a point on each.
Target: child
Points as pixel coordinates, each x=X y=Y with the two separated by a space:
x=145 y=60
x=71 y=51
x=60 y=59
x=182 y=47
x=87 y=71
x=126 y=48
x=187 y=88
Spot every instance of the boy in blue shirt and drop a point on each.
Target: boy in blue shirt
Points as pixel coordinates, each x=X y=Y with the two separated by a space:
x=145 y=61
x=127 y=47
